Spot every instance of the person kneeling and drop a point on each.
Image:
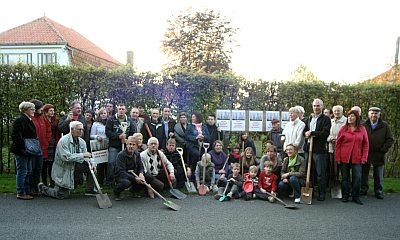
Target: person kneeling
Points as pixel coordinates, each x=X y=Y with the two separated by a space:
x=127 y=161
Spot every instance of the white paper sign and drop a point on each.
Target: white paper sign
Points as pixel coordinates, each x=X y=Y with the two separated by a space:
x=284 y=119
x=238 y=120
x=224 y=120
x=255 y=121
x=270 y=115
x=99 y=150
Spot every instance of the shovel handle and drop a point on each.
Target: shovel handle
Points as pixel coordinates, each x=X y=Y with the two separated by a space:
x=180 y=151
x=94 y=178
x=148 y=186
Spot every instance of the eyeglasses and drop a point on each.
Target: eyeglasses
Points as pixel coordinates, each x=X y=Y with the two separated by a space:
x=79 y=129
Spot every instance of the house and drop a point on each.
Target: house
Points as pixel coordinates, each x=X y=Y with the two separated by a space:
x=44 y=41
x=388 y=77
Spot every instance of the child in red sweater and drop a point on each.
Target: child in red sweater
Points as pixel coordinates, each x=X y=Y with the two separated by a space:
x=267 y=182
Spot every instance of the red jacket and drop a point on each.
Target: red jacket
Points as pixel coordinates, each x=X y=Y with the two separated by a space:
x=43 y=132
x=352 y=144
x=267 y=182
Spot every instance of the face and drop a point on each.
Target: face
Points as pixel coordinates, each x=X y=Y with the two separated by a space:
x=109 y=107
x=268 y=169
x=139 y=141
x=327 y=112
x=271 y=153
x=194 y=119
x=166 y=113
x=218 y=147
x=245 y=136
x=30 y=112
x=373 y=116
x=351 y=119
x=88 y=117
x=275 y=125
x=50 y=112
x=171 y=147
x=236 y=150
x=249 y=153
x=154 y=114
x=103 y=114
x=183 y=119
x=76 y=109
x=77 y=131
x=253 y=174
x=337 y=113
x=236 y=171
x=131 y=145
x=211 y=120
x=141 y=110
x=121 y=111
x=135 y=113
x=290 y=151
x=292 y=115
x=153 y=146
x=317 y=107
x=39 y=111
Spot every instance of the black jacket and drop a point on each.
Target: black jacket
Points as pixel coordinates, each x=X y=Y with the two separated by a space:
x=124 y=163
x=63 y=125
x=214 y=134
x=380 y=140
x=113 y=130
x=320 y=134
x=23 y=128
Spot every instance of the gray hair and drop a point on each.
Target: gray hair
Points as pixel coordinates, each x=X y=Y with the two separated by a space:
x=152 y=139
x=24 y=106
x=295 y=109
x=357 y=108
x=319 y=101
x=339 y=107
x=73 y=124
x=301 y=109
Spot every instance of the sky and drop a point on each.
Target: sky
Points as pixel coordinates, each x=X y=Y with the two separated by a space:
x=342 y=41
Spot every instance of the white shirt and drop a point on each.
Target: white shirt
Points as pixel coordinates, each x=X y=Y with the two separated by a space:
x=294 y=134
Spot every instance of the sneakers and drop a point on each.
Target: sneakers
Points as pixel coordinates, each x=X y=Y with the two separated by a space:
x=297 y=200
x=24 y=197
x=271 y=199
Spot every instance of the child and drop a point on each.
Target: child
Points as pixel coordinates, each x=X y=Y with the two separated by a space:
x=253 y=172
x=248 y=159
x=234 y=157
x=174 y=157
x=267 y=182
x=210 y=173
x=235 y=184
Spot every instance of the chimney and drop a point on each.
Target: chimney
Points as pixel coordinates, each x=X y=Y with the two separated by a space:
x=129 y=58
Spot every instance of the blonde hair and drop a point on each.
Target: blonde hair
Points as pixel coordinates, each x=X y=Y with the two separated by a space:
x=253 y=169
x=205 y=159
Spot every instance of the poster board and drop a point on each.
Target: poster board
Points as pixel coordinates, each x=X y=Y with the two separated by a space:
x=270 y=115
x=256 y=121
x=238 y=120
x=224 y=119
x=99 y=150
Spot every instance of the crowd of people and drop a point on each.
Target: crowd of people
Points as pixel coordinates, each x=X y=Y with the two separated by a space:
x=158 y=149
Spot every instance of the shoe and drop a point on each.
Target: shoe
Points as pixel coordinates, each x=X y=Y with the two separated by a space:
x=40 y=187
x=215 y=188
x=321 y=198
x=24 y=197
x=297 y=200
x=90 y=192
x=379 y=196
x=150 y=193
x=217 y=196
x=33 y=193
x=227 y=198
x=291 y=195
x=117 y=197
x=345 y=199
x=358 y=201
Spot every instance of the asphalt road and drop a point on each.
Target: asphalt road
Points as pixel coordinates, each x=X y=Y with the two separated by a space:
x=199 y=218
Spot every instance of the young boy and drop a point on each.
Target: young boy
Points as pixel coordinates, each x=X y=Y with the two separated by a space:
x=174 y=157
x=253 y=172
x=267 y=182
x=210 y=173
x=235 y=184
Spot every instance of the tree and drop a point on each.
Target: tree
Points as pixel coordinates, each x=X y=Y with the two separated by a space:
x=200 y=41
x=302 y=73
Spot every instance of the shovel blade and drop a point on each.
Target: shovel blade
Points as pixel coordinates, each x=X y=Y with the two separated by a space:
x=190 y=187
x=103 y=200
x=306 y=195
x=172 y=205
x=336 y=191
x=291 y=206
x=177 y=194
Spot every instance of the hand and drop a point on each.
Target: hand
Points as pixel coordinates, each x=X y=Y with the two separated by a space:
x=232 y=180
x=87 y=155
x=263 y=190
x=222 y=176
x=286 y=175
x=70 y=116
x=285 y=180
x=122 y=136
x=94 y=168
x=171 y=135
x=273 y=194
x=333 y=140
x=218 y=129
x=189 y=172
x=201 y=137
x=172 y=176
x=307 y=134
x=222 y=171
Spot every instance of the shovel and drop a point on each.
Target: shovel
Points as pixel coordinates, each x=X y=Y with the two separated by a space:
x=189 y=185
x=102 y=198
x=336 y=190
x=167 y=203
x=223 y=196
x=203 y=189
x=289 y=206
x=306 y=192
x=174 y=192
x=248 y=185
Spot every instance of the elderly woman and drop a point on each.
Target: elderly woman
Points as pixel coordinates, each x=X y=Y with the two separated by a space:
x=138 y=137
x=23 y=128
x=351 y=151
x=293 y=132
x=293 y=173
x=272 y=155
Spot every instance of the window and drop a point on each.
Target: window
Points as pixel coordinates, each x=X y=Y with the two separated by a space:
x=15 y=58
x=47 y=58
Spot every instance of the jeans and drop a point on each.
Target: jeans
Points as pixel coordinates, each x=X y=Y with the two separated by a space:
x=112 y=158
x=378 y=178
x=319 y=165
x=24 y=171
x=37 y=164
x=293 y=184
x=356 y=179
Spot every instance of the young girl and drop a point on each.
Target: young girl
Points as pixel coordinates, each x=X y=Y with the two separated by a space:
x=210 y=173
x=234 y=157
x=252 y=175
x=267 y=182
x=248 y=159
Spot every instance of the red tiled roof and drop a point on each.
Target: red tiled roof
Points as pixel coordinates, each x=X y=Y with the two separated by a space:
x=46 y=31
x=390 y=76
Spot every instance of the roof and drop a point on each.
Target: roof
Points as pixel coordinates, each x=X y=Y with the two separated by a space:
x=390 y=76
x=46 y=31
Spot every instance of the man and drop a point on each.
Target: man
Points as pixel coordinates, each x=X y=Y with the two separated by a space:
x=117 y=136
x=380 y=140
x=110 y=109
x=214 y=131
x=167 y=130
x=318 y=127
x=275 y=134
x=74 y=115
x=293 y=132
x=142 y=112
x=153 y=168
x=128 y=160
x=70 y=161
x=138 y=122
x=152 y=124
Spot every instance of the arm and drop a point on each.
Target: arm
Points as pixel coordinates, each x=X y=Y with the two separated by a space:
x=274 y=185
x=365 y=145
x=93 y=131
x=338 y=145
x=302 y=169
x=110 y=130
x=63 y=125
x=388 y=140
x=65 y=153
x=121 y=169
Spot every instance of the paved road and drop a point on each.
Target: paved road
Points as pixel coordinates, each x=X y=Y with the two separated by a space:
x=199 y=218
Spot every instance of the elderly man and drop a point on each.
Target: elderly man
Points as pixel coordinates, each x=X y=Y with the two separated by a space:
x=380 y=140
x=318 y=126
x=293 y=132
x=118 y=128
x=153 y=167
x=71 y=160
x=74 y=115
x=128 y=160
x=275 y=134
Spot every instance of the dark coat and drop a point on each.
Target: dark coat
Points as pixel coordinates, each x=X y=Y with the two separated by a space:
x=380 y=140
x=153 y=127
x=63 y=125
x=160 y=133
x=23 y=128
x=191 y=135
x=113 y=130
x=124 y=163
x=320 y=134
x=214 y=134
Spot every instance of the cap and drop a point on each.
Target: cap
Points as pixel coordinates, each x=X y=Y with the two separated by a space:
x=274 y=120
x=376 y=109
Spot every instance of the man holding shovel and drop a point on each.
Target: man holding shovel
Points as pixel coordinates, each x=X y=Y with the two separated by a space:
x=71 y=158
x=128 y=160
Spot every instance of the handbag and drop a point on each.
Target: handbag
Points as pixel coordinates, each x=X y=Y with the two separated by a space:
x=32 y=147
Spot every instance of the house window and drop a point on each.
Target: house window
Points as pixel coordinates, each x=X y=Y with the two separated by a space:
x=47 y=58
x=15 y=58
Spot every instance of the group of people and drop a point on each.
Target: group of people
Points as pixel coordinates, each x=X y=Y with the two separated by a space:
x=144 y=149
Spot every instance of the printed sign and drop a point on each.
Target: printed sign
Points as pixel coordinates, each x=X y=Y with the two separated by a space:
x=99 y=150
x=255 y=121
x=224 y=120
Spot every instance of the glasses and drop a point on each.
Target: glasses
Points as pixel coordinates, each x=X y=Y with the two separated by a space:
x=79 y=129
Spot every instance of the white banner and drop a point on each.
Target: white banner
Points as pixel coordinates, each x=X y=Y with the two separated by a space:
x=255 y=121
x=224 y=120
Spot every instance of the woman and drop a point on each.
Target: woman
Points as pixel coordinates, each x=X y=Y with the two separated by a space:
x=351 y=150
x=293 y=172
x=196 y=134
x=246 y=142
x=272 y=155
x=180 y=129
x=98 y=132
x=139 y=140
x=89 y=117
x=23 y=128
x=219 y=158
x=248 y=159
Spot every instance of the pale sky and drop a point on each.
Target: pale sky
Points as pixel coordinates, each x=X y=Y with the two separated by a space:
x=342 y=40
